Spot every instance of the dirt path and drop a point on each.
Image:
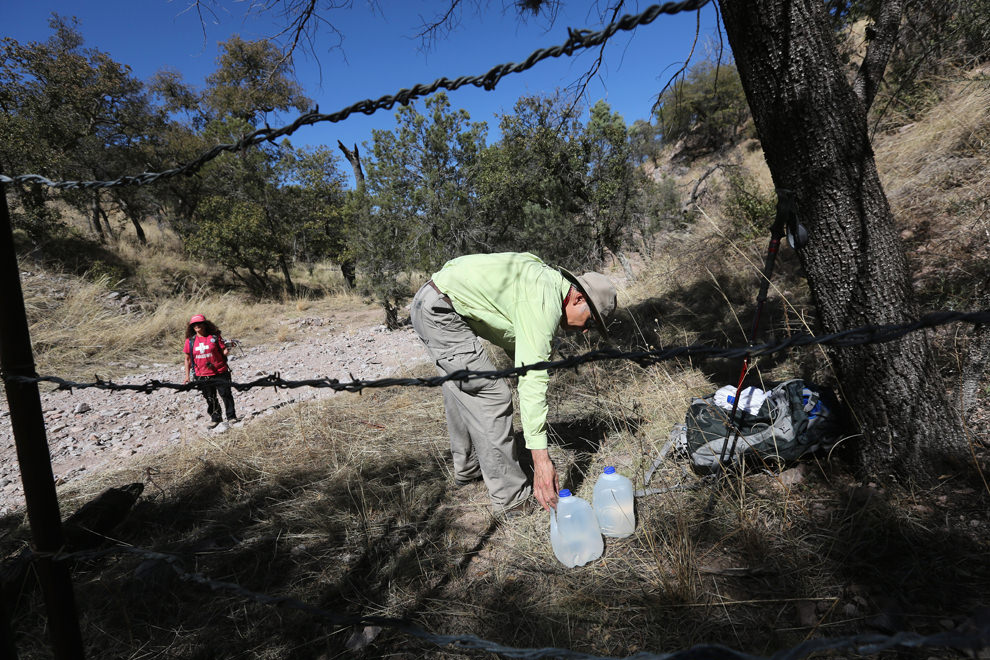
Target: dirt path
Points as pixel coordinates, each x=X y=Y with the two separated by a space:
x=90 y=430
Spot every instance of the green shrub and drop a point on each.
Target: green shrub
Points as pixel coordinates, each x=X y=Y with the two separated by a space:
x=749 y=209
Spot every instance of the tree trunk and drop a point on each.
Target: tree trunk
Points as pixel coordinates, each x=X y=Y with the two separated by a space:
x=290 y=288
x=813 y=130
x=626 y=265
x=95 y=217
x=136 y=221
x=974 y=366
x=347 y=265
x=391 y=314
x=139 y=230
x=106 y=221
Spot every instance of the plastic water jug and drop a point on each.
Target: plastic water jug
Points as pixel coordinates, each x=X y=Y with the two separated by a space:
x=574 y=532
x=612 y=500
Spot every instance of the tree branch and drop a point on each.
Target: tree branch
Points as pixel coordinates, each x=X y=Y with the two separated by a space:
x=582 y=83
x=882 y=36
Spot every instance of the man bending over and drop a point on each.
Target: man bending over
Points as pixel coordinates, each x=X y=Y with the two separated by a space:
x=517 y=302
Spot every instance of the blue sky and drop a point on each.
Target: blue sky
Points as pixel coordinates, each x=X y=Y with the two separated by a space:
x=380 y=54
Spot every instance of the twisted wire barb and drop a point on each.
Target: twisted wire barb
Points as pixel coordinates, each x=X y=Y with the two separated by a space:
x=577 y=40
x=973 y=635
x=871 y=334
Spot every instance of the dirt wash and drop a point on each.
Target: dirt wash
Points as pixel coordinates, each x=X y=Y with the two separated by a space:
x=90 y=430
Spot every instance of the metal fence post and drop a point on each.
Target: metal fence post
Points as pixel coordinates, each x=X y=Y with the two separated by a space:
x=28 y=424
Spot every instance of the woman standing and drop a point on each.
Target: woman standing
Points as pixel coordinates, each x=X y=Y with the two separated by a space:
x=206 y=354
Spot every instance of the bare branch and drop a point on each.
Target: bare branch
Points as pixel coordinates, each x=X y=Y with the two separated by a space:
x=445 y=22
x=680 y=72
x=197 y=6
x=882 y=36
x=440 y=26
x=581 y=85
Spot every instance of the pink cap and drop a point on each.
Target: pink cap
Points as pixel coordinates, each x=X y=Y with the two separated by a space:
x=199 y=318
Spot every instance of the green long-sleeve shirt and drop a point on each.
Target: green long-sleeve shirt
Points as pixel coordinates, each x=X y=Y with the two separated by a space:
x=513 y=300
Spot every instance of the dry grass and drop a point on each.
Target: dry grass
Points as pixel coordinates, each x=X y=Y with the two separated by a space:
x=346 y=504
x=79 y=325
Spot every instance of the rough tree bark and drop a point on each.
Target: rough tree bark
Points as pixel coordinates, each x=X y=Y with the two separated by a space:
x=813 y=128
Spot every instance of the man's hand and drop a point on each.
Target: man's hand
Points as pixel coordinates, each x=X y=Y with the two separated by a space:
x=545 y=484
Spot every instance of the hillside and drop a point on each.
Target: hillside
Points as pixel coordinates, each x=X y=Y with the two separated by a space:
x=249 y=543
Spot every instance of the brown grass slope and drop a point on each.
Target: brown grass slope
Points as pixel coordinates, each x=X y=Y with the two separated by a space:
x=347 y=504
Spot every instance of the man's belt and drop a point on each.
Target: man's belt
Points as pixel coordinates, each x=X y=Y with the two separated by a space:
x=443 y=295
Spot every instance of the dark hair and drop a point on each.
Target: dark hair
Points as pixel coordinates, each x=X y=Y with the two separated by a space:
x=209 y=329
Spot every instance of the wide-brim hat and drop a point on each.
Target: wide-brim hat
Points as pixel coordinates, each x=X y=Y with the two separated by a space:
x=599 y=291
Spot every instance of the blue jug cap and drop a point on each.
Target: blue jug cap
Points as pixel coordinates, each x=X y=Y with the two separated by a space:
x=564 y=493
x=609 y=469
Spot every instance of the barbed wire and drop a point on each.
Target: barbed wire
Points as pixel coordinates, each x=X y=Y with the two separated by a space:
x=870 y=334
x=973 y=634
x=577 y=40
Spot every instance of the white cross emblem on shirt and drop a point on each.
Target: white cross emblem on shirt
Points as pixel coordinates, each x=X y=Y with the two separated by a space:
x=202 y=348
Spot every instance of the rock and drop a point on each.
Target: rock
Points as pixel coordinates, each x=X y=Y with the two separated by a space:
x=794 y=475
x=362 y=638
x=81 y=408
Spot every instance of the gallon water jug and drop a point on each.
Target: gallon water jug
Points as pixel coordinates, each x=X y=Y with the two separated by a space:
x=612 y=500
x=574 y=532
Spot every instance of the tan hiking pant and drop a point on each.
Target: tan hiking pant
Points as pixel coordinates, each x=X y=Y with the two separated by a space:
x=479 y=411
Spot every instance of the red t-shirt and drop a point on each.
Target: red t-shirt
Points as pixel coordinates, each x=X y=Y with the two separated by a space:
x=207 y=355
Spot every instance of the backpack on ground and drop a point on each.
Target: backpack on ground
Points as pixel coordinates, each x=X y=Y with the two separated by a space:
x=795 y=418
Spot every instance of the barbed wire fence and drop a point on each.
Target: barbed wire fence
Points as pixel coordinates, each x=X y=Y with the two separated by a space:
x=869 y=334
x=21 y=381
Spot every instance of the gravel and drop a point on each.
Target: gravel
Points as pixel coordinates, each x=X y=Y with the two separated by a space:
x=90 y=430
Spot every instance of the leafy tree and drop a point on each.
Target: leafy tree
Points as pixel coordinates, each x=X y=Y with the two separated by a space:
x=644 y=142
x=270 y=206
x=749 y=209
x=67 y=112
x=706 y=109
x=419 y=187
x=180 y=140
x=659 y=207
x=252 y=80
x=312 y=200
x=612 y=179
x=531 y=185
x=236 y=234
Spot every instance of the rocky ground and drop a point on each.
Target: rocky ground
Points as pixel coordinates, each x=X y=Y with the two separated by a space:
x=91 y=429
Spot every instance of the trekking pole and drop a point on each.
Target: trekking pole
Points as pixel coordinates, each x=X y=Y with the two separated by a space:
x=785 y=223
